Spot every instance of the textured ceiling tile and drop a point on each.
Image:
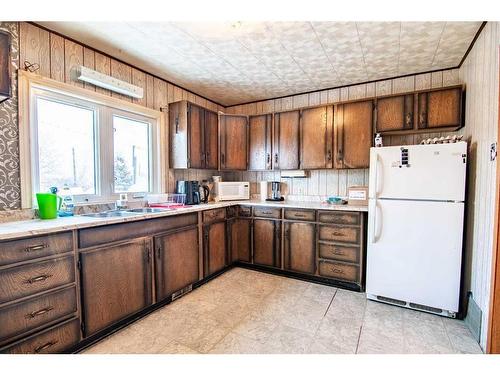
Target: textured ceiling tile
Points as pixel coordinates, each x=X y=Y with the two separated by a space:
x=238 y=62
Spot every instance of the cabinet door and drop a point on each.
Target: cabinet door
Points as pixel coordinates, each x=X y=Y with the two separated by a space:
x=177 y=261
x=353 y=134
x=316 y=138
x=286 y=140
x=178 y=130
x=395 y=113
x=211 y=140
x=440 y=108
x=259 y=141
x=116 y=283
x=300 y=247
x=233 y=140
x=240 y=239
x=267 y=242
x=196 y=127
x=215 y=247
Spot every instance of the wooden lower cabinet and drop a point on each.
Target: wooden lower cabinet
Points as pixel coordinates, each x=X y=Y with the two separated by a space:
x=267 y=242
x=50 y=341
x=116 y=283
x=300 y=247
x=240 y=231
x=214 y=237
x=177 y=261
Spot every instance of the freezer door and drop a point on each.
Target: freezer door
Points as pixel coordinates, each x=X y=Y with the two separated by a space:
x=414 y=251
x=428 y=172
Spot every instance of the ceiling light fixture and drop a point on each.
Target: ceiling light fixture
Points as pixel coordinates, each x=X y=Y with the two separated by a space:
x=107 y=82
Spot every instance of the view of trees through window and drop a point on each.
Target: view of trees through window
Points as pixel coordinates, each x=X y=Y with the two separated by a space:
x=66 y=144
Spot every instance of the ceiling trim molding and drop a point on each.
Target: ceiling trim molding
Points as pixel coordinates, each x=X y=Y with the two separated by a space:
x=121 y=61
x=472 y=43
x=272 y=98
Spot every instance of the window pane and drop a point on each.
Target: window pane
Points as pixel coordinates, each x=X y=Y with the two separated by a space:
x=131 y=148
x=66 y=147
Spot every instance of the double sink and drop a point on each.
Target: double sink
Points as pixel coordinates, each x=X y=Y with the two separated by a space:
x=126 y=213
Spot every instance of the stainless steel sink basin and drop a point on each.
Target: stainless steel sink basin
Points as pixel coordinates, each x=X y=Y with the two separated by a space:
x=148 y=210
x=115 y=213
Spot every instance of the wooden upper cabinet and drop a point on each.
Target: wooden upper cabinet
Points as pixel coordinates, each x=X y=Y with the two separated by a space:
x=193 y=136
x=260 y=142
x=353 y=134
x=316 y=137
x=5 y=84
x=116 y=283
x=196 y=130
x=233 y=142
x=286 y=140
x=177 y=261
x=395 y=113
x=211 y=140
x=440 y=108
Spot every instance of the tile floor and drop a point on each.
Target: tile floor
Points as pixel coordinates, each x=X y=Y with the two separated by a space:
x=244 y=311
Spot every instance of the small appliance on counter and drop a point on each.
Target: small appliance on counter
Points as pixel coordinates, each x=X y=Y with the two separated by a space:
x=192 y=191
x=231 y=190
x=275 y=192
x=357 y=195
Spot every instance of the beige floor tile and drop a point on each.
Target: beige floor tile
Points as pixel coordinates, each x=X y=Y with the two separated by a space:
x=257 y=327
x=288 y=340
x=245 y=311
x=233 y=343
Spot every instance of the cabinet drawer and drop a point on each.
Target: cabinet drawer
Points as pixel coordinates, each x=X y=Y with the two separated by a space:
x=339 y=234
x=22 y=281
x=51 y=341
x=341 y=271
x=339 y=217
x=36 y=312
x=307 y=215
x=35 y=247
x=106 y=234
x=274 y=213
x=244 y=211
x=339 y=252
x=213 y=215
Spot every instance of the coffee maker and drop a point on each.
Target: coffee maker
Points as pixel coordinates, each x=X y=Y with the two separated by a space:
x=275 y=192
x=192 y=191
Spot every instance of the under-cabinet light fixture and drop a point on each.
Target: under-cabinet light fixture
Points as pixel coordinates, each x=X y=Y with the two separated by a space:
x=107 y=82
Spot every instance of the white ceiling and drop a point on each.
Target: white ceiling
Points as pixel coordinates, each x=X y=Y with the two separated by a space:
x=239 y=62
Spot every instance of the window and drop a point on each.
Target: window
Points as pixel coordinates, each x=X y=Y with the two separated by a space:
x=94 y=149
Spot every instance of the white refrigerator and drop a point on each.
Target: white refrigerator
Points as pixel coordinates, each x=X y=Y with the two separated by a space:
x=415 y=226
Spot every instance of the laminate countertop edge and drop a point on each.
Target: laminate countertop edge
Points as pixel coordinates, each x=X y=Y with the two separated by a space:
x=26 y=228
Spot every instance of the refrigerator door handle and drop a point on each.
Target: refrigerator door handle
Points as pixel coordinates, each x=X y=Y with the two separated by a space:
x=376 y=224
x=377 y=179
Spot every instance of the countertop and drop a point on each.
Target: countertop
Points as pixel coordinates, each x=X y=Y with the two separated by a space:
x=16 y=229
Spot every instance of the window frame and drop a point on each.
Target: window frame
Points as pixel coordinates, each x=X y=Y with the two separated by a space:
x=32 y=86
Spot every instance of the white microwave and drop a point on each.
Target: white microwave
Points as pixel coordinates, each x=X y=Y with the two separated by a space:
x=231 y=190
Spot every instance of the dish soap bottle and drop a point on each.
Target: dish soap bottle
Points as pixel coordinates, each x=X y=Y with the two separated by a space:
x=68 y=202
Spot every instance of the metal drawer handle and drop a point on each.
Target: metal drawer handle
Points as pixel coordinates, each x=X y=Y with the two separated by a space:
x=300 y=215
x=29 y=249
x=338 y=252
x=337 y=270
x=338 y=234
x=34 y=314
x=38 y=279
x=266 y=213
x=45 y=346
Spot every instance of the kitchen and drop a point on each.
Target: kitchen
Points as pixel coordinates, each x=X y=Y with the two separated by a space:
x=228 y=194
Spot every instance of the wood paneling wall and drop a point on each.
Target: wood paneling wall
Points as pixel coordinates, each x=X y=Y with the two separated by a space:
x=480 y=74
x=59 y=58
x=322 y=183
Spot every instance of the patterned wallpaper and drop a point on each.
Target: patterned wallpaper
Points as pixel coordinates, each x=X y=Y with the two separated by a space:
x=10 y=185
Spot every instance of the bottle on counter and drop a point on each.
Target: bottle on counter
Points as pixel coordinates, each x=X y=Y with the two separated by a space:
x=68 y=202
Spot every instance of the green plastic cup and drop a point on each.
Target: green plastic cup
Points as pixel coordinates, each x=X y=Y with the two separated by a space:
x=48 y=204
